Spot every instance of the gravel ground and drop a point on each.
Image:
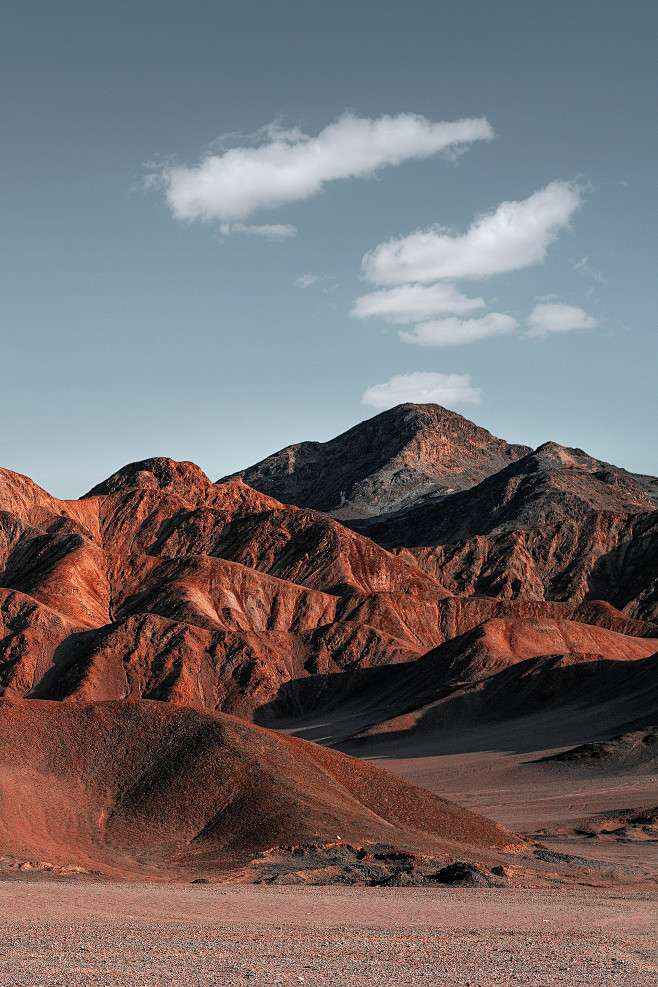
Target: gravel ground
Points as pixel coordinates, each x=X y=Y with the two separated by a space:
x=103 y=934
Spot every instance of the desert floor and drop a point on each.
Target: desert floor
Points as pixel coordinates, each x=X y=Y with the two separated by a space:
x=97 y=933
x=101 y=934
x=553 y=805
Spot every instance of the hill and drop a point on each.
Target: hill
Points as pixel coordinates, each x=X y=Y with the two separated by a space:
x=158 y=791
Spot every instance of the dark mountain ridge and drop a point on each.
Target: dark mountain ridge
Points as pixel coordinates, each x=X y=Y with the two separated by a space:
x=409 y=453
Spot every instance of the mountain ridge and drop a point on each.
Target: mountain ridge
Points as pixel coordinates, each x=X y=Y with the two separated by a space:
x=403 y=454
x=532 y=586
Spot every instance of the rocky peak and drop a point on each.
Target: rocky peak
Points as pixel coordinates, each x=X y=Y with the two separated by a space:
x=551 y=455
x=156 y=473
x=409 y=453
x=19 y=495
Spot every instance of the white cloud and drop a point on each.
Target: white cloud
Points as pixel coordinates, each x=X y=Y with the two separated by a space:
x=413 y=302
x=306 y=280
x=288 y=166
x=271 y=231
x=423 y=388
x=457 y=332
x=513 y=236
x=545 y=319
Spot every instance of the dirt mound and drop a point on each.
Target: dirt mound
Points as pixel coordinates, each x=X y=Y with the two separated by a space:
x=155 y=790
x=628 y=750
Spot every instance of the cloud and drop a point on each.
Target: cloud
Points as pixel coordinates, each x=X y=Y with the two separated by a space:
x=413 y=302
x=545 y=319
x=271 y=231
x=288 y=165
x=423 y=388
x=306 y=280
x=513 y=236
x=584 y=267
x=457 y=332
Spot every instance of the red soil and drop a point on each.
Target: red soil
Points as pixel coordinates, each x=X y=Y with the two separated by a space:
x=158 y=790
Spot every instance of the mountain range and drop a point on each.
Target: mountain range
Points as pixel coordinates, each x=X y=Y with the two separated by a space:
x=414 y=575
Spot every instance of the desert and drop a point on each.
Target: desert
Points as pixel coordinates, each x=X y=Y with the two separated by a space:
x=328 y=494
x=407 y=676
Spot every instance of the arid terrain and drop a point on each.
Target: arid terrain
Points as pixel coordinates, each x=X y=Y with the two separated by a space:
x=471 y=625
x=207 y=935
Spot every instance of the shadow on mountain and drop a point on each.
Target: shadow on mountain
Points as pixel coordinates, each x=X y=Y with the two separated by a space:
x=408 y=710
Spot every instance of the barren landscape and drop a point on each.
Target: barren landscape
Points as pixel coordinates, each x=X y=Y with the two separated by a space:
x=102 y=934
x=472 y=626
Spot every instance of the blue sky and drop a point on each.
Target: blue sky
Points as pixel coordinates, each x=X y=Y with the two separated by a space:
x=225 y=226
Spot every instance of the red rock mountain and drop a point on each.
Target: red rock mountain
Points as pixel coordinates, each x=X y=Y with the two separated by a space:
x=532 y=586
x=160 y=584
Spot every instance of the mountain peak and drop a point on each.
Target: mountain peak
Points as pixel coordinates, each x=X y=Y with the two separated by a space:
x=155 y=473
x=398 y=457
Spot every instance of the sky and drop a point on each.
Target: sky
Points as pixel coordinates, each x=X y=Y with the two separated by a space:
x=229 y=227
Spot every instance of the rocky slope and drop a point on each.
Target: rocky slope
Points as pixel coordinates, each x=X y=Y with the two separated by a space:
x=507 y=669
x=411 y=453
x=159 y=584
x=556 y=525
x=480 y=515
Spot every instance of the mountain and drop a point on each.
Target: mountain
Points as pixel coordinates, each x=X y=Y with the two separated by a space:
x=467 y=585
x=159 y=584
x=154 y=791
x=481 y=516
x=547 y=486
x=555 y=525
x=412 y=453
